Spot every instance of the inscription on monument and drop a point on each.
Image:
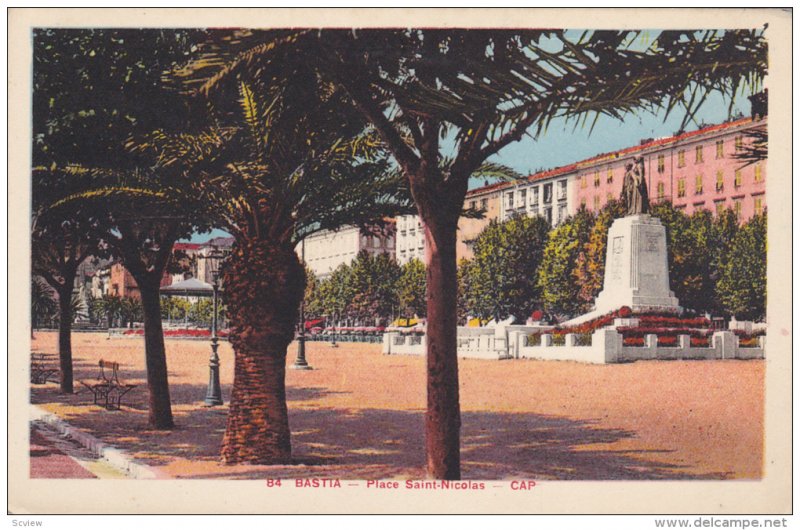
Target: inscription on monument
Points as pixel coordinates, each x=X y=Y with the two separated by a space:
x=651 y=243
x=616 y=259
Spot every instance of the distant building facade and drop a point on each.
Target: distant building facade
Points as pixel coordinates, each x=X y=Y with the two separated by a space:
x=699 y=170
x=327 y=250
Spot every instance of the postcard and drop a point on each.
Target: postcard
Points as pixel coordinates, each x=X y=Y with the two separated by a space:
x=457 y=261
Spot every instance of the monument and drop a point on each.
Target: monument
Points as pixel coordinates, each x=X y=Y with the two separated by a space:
x=637 y=272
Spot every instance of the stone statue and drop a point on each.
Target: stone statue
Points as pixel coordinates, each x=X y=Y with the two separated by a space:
x=634 y=188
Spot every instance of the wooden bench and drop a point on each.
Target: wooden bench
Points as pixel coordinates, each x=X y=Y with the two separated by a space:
x=108 y=390
x=40 y=373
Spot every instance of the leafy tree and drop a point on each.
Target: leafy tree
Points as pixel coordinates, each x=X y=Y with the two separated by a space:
x=411 y=289
x=742 y=286
x=503 y=273
x=60 y=241
x=44 y=306
x=94 y=92
x=557 y=273
x=174 y=308
x=591 y=264
x=108 y=307
x=201 y=312
x=374 y=279
x=337 y=293
x=463 y=278
x=725 y=228
x=130 y=310
x=691 y=250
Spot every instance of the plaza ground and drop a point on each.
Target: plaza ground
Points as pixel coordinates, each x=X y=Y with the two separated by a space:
x=360 y=415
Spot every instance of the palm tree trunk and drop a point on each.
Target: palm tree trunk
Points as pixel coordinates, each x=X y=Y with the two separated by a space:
x=160 y=407
x=443 y=417
x=65 y=338
x=263 y=283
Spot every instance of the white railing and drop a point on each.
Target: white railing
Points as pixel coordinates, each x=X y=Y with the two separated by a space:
x=511 y=342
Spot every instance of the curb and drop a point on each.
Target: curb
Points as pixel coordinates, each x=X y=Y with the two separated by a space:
x=115 y=457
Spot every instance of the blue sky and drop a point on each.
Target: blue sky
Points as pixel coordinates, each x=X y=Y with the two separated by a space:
x=563 y=143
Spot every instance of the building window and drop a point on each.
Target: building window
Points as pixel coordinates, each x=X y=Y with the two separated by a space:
x=698 y=184
x=758 y=177
x=660 y=163
x=472 y=205
x=609 y=197
x=583 y=181
x=510 y=200
x=583 y=202
x=484 y=204
x=562 y=190
x=681 y=158
x=758 y=204
x=720 y=148
x=698 y=154
x=547 y=191
x=562 y=213
x=720 y=207
x=596 y=179
x=737 y=178
x=739 y=142
x=737 y=208
x=681 y=187
x=596 y=202
x=523 y=198
x=660 y=189
x=610 y=176
x=535 y=198
x=720 y=180
x=548 y=215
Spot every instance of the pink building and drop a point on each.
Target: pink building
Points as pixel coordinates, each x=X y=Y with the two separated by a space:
x=696 y=170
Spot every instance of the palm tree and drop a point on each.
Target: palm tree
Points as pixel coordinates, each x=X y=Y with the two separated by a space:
x=487 y=89
x=283 y=160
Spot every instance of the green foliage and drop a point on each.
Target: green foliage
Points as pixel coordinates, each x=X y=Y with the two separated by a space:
x=374 y=280
x=557 y=276
x=742 y=286
x=690 y=251
x=463 y=279
x=130 y=310
x=174 y=307
x=591 y=264
x=503 y=274
x=201 y=312
x=336 y=293
x=44 y=306
x=411 y=288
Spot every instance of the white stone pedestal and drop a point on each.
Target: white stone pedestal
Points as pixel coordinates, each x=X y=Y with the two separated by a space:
x=637 y=273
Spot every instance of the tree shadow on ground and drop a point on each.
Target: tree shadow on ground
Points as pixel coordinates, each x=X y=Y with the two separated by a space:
x=373 y=443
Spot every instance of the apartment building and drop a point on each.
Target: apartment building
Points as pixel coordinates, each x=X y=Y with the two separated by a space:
x=699 y=170
x=326 y=250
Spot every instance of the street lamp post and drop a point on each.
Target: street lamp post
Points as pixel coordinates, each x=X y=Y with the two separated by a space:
x=300 y=362
x=214 y=392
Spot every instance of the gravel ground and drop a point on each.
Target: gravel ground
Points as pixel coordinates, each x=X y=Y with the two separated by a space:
x=360 y=415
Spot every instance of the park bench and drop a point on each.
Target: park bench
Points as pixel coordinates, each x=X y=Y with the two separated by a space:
x=108 y=390
x=40 y=372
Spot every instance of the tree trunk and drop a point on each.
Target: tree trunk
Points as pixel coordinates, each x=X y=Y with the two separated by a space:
x=263 y=284
x=443 y=418
x=160 y=408
x=65 y=338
